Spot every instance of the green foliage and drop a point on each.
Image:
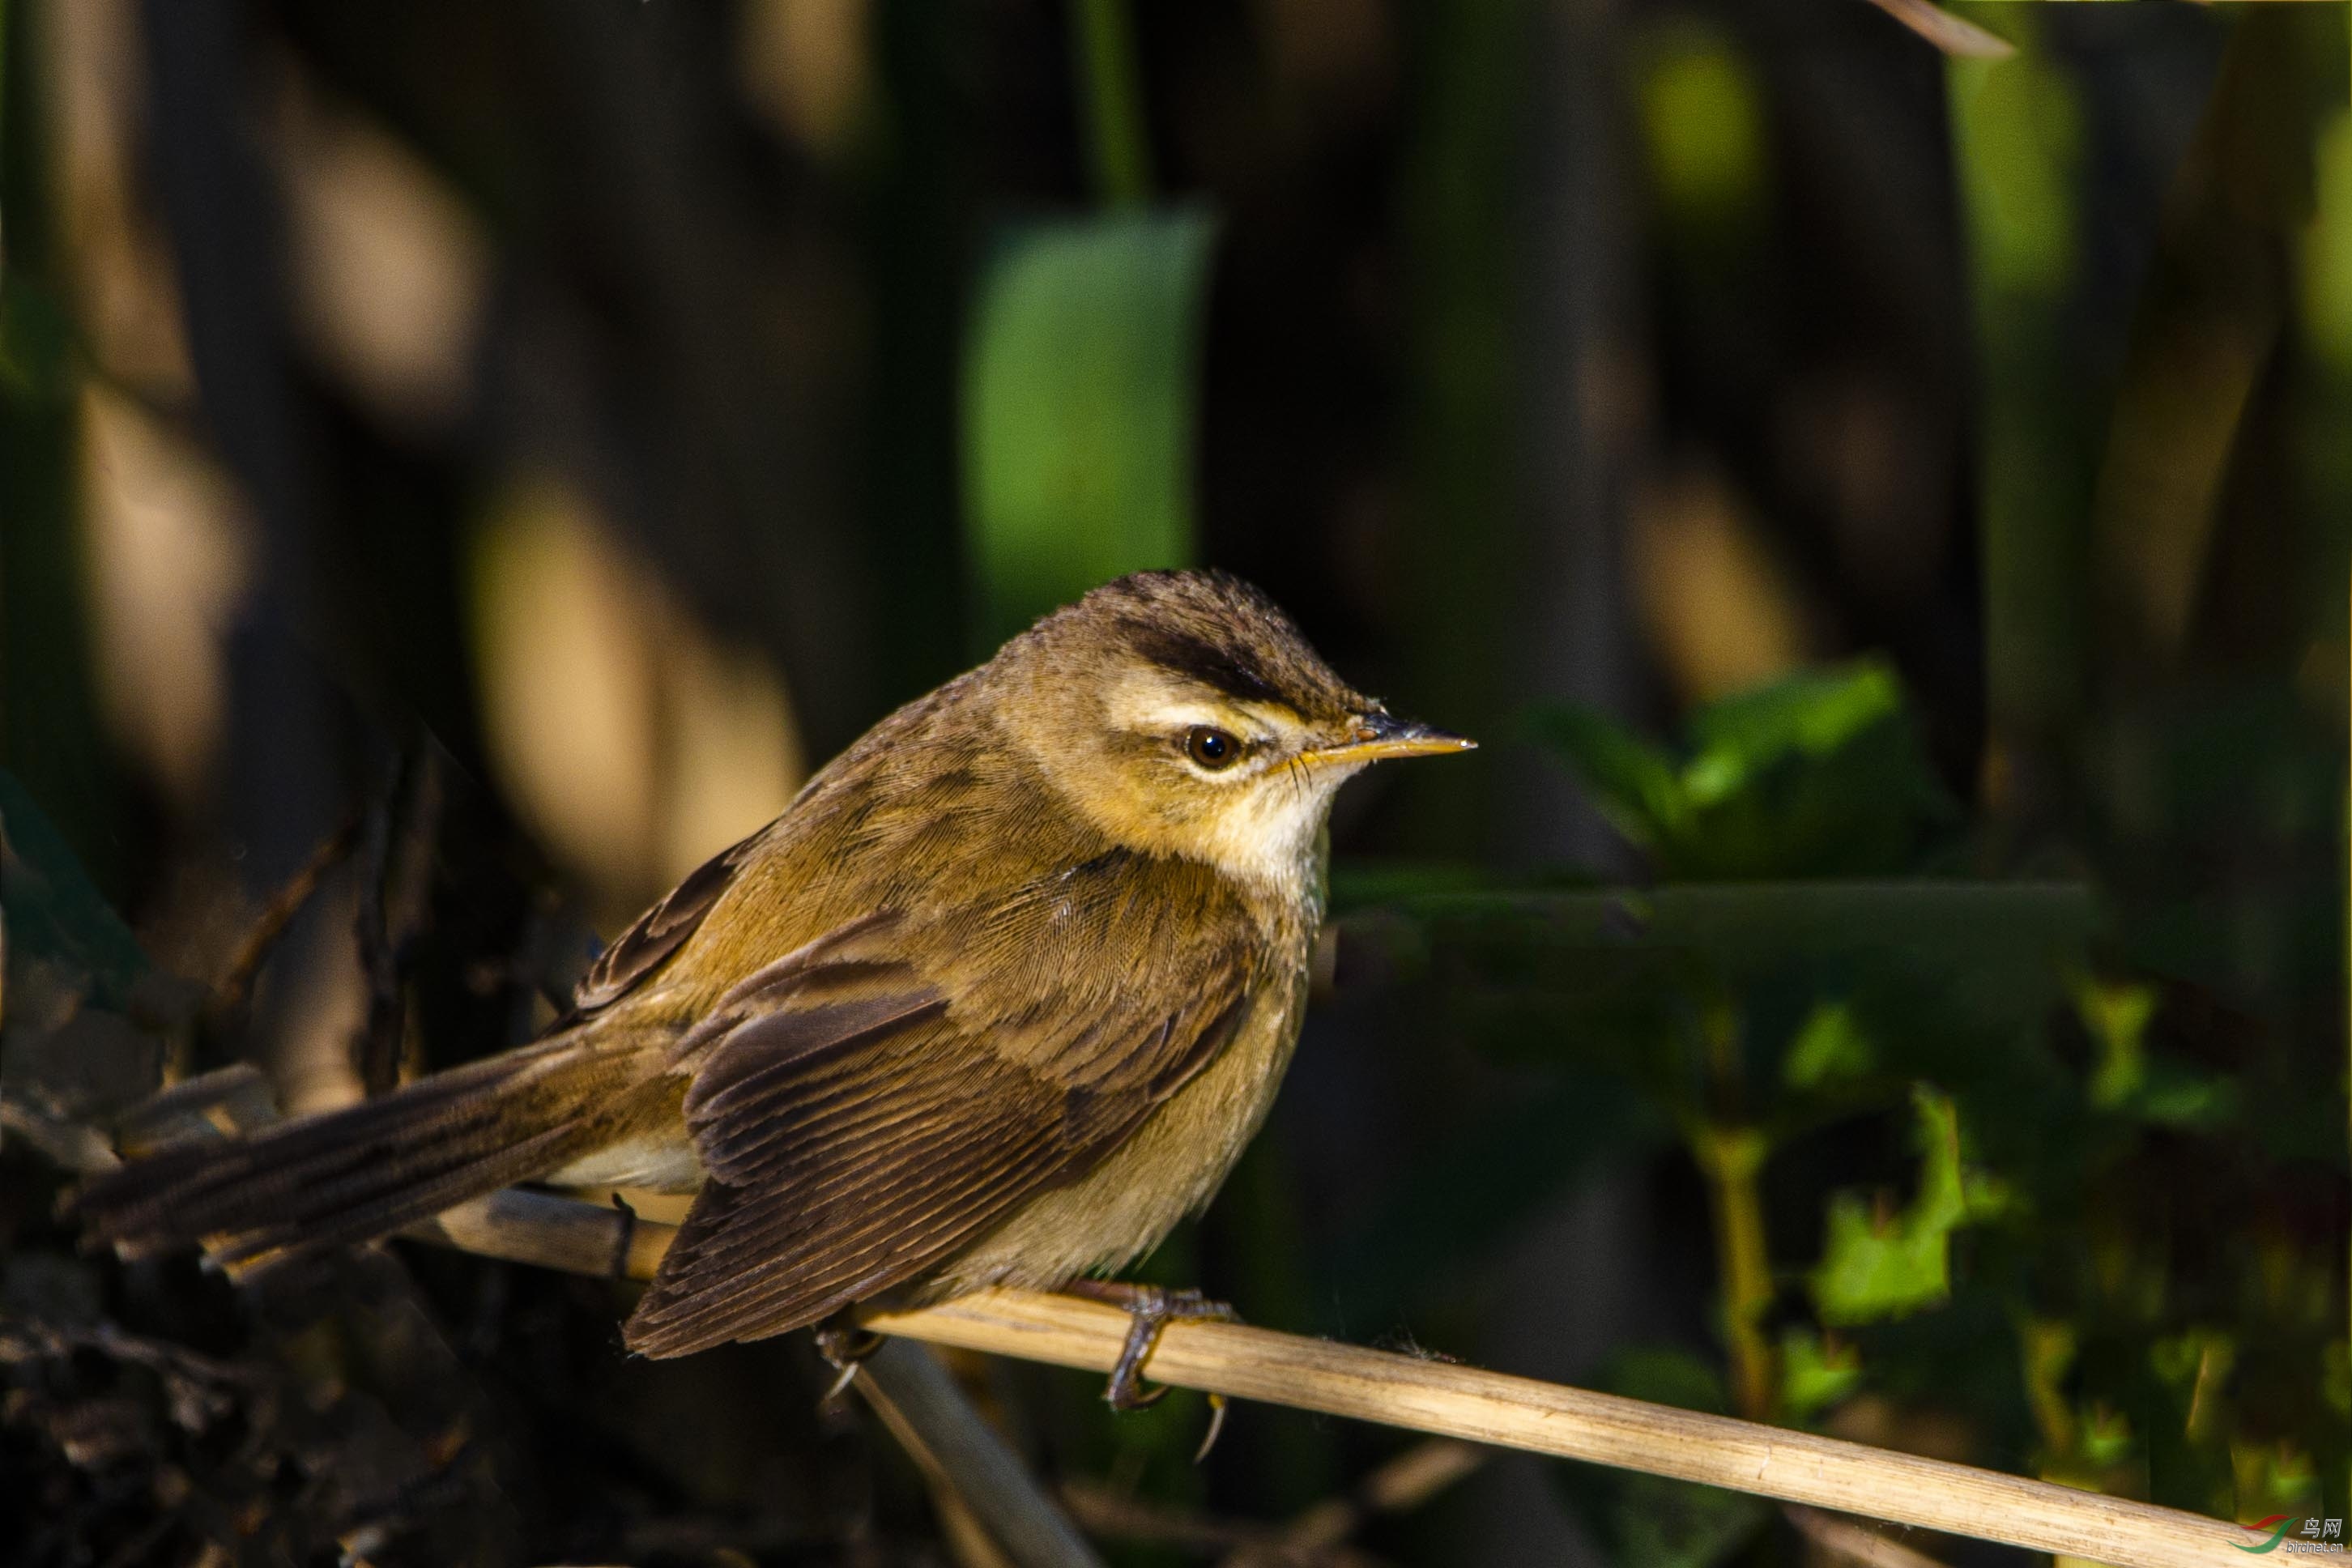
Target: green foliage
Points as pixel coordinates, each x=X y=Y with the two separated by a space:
x=2327 y=247
x=1815 y=1374
x=88 y=1022
x=1819 y=775
x=1877 y=1266
x=1077 y=404
x=2116 y=1017
x=1829 y=1048
x=35 y=341
x=54 y=913
x=2019 y=126
x=1796 y=975
x=1702 y=126
x=1818 y=973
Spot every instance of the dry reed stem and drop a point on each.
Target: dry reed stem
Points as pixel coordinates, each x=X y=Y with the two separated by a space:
x=970 y=1469
x=1445 y=1400
x=991 y=1510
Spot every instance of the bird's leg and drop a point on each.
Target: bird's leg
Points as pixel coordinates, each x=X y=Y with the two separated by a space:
x=845 y=1347
x=1149 y=1308
x=626 y=1239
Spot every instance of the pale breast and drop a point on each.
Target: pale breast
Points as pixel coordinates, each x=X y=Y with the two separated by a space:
x=1170 y=1166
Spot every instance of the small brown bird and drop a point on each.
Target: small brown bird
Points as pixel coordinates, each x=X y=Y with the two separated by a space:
x=998 y=999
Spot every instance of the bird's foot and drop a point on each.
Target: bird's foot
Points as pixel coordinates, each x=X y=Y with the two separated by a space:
x=1149 y=1308
x=845 y=1347
x=626 y=1238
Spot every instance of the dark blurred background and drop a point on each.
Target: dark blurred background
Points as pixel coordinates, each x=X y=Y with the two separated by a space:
x=1886 y=507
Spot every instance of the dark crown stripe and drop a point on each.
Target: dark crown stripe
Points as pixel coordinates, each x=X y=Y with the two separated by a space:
x=1189 y=654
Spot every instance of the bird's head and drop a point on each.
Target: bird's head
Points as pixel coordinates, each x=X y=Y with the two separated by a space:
x=1184 y=714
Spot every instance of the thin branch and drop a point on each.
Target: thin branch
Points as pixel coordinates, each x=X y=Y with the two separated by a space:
x=964 y=1459
x=245 y=963
x=1445 y=1399
x=1954 y=35
x=1846 y=1541
x=396 y=880
x=1109 y=1512
x=1403 y=1484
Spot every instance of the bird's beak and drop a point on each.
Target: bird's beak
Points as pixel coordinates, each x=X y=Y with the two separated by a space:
x=1377 y=735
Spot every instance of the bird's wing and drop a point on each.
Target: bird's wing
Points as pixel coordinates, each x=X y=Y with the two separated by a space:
x=660 y=932
x=874 y=1102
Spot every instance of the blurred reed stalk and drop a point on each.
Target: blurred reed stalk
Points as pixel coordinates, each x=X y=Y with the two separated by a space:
x=1731 y=1156
x=1110 y=87
x=1732 y=1159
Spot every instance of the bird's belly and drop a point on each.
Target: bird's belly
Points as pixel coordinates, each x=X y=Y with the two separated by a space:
x=660 y=1162
x=1170 y=1166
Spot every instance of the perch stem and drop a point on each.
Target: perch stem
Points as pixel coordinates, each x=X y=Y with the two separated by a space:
x=1445 y=1399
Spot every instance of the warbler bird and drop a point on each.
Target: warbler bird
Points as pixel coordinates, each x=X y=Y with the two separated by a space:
x=998 y=999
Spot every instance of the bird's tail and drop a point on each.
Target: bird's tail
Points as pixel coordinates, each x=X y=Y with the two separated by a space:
x=355 y=1175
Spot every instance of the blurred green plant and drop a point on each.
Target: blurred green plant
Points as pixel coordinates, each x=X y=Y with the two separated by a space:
x=1703 y=128
x=54 y=913
x=1803 y=969
x=87 y=1023
x=2328 y=247
x=1078 y=404
x=1876 y=1265
x=1818 y=776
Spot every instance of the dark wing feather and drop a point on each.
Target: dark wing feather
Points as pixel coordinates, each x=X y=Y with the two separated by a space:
x=660 y=932
x=361 y=1171
x=878 y=1100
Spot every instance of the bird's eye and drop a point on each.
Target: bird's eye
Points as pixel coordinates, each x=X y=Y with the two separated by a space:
x=1211 y=748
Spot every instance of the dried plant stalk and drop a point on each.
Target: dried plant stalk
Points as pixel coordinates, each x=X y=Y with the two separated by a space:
x=1445 y=1399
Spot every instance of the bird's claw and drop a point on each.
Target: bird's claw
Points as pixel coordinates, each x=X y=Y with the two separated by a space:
x=1149 y=1308
x=844 y=1349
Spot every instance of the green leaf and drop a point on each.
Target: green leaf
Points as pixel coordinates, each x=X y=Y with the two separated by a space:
x=55 y=913
x=1819 y=774
x=1632 y=782
x=1814 y=1375
x=1606 y=978
x=83 y=1032
x=2172 y=1095
x=2116 y=1017
x=1828 y=1047
x=37 y=340
x=1874 y=1268
x=1358 y=883
x=1815 y=714
x=1078 y=405
x=2106 y=1437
